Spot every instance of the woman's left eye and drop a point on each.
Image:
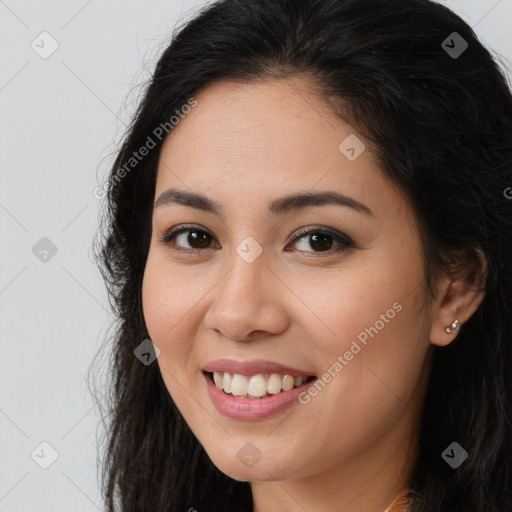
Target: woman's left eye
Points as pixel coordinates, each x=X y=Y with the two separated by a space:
x=320 y=239
x=323 y=239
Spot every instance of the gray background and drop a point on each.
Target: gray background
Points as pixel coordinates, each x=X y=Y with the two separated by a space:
x=61 y=121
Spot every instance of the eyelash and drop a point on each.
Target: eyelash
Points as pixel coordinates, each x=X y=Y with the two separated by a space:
x=344 y=241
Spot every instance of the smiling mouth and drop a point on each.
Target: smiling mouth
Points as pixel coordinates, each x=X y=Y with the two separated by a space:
x=256 y=386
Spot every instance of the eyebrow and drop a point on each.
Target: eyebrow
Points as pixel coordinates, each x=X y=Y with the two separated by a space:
x=287 y=204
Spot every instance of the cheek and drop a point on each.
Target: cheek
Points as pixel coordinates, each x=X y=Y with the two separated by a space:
x=168 y=298
x=165 y=305
x=363 y=302
x=371 y=318
x=372 y=374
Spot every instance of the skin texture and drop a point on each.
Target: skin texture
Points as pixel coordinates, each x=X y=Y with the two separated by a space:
x=353 y=446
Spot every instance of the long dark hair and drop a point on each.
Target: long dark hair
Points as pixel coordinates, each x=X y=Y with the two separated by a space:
x=439 y=116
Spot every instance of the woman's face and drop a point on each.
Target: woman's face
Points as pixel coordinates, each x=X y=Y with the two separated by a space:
x=246 y=287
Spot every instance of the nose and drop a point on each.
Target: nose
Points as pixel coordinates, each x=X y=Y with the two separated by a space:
x=247 y=301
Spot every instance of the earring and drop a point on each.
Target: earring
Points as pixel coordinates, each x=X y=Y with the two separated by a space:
x=455 y=325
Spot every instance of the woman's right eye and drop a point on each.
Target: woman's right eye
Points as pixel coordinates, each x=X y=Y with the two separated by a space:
x=178 y=238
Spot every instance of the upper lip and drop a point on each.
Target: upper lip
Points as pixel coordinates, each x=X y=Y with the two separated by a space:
x=254 y=367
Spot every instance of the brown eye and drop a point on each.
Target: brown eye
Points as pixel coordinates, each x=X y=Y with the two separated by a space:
x=193 y=239
x=322 y=240
x=198 y=239
x=188 y=238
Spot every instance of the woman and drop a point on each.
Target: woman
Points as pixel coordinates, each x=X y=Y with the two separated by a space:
x=307 y=243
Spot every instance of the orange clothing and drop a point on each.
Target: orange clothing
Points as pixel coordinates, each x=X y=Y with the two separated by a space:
x=402 y=501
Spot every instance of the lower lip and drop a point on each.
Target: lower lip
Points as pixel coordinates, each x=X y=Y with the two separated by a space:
x=252 y=408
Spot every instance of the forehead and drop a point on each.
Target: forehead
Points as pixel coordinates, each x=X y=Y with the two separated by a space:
x=268 y=139
x=275 y=121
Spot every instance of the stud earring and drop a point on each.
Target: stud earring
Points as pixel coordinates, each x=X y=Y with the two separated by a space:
x=455 y=325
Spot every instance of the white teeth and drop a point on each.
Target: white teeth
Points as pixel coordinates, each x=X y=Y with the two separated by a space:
x=255 y=386
x=226 y=382
x=288 y=383
x=274 y=384
x=217 y=378
x=239 y=385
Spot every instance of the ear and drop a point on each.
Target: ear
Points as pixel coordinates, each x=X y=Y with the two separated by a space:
x=458 y=297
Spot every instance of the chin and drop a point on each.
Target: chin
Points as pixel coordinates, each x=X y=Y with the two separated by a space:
x=261 y=470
